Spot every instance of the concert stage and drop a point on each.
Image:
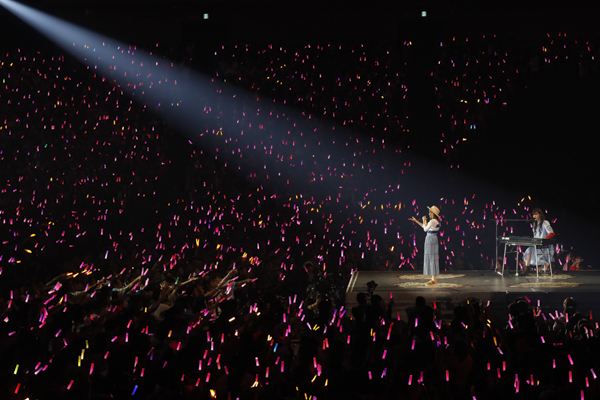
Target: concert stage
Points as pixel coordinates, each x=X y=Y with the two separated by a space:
x=455 y=287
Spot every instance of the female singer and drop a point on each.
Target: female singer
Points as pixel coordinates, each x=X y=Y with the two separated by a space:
x=541 y=230
x=431 y=261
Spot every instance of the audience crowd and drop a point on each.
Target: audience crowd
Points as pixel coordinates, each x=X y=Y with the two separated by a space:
x=136 y=262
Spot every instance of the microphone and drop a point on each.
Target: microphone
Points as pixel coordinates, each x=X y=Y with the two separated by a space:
x=531 y=220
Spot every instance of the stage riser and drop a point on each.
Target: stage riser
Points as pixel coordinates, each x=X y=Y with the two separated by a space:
x=488 y=287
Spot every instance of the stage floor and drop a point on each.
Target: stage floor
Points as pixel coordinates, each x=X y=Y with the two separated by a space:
x=488 y=286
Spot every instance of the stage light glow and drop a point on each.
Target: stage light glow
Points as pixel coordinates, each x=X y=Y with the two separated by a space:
x=112 y=59
x=225 y=119
x=191 y=101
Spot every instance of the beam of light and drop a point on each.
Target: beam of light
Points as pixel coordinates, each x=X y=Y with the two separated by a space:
x=220 y=116
x=123 y=63
x=246 y=130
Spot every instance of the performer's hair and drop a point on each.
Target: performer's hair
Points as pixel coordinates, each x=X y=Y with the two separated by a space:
x=538 y=225
x=436 y=217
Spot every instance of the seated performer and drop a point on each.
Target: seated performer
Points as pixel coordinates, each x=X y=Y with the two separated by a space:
x=541 y=230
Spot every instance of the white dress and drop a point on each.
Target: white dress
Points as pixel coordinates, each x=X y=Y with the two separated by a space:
x=431 y=260
x=545 y=254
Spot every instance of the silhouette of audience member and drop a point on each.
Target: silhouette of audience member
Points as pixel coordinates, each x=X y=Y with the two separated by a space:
x=422 y=319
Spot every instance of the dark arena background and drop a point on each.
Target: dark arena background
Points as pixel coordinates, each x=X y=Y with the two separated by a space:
x=211 y=199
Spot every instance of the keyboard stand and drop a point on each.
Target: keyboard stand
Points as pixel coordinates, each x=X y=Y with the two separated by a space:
x=516 y=244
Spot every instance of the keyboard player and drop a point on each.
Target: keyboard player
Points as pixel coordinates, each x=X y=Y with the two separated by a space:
x=541 y=230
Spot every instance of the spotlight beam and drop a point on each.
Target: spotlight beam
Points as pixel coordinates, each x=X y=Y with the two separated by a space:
x=201 y=106
x=196 y=101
